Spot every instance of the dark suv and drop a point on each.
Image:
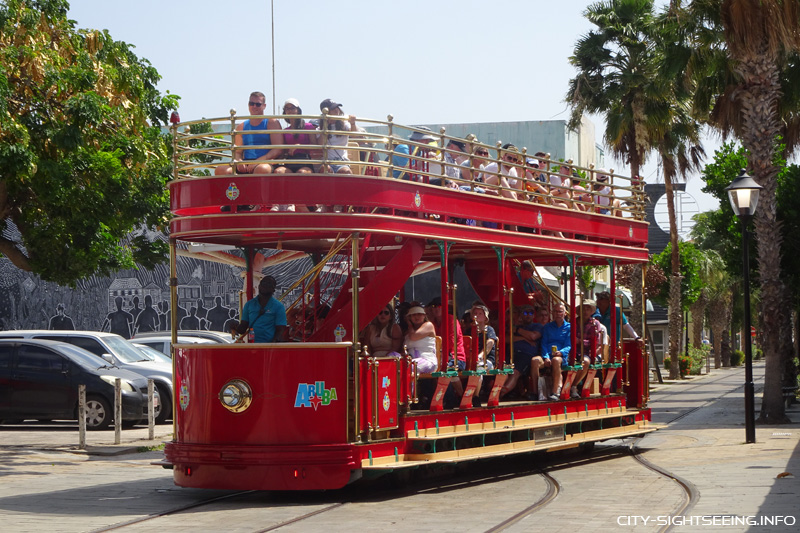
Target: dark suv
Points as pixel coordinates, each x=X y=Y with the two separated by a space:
x=39 y=379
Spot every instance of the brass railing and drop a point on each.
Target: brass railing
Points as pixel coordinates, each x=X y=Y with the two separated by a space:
x=209 y=146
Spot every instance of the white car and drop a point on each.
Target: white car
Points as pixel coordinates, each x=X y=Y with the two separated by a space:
x=162 y=343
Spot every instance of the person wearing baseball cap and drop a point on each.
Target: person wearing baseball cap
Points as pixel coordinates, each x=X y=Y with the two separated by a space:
x=604 y=314
x=591 y=329
x=337 y=142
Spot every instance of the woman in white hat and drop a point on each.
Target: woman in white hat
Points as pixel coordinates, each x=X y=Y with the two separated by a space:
x=421 y=340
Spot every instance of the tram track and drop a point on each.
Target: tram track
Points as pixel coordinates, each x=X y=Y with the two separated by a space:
x=553 y=488
x=173 y=511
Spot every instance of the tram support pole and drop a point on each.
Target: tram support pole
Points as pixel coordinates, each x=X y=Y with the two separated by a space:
x=354 y=275
x=173 y=298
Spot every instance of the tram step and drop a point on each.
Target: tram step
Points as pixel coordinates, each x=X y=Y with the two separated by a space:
x=555 y=418
x=497 y=450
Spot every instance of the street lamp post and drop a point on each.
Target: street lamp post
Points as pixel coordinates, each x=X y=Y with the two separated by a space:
x=743 y=194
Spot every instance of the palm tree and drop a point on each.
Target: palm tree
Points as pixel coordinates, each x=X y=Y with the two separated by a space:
x=621 y=75
x=616 y=68
x=740 y=52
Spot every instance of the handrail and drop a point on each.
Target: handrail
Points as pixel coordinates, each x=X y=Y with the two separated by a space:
x=206 y=147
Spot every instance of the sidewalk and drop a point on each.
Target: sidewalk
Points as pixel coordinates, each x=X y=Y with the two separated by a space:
x=705 y=447
x=63 y=437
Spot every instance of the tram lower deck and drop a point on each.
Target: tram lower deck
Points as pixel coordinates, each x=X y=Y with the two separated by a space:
x=321 y=411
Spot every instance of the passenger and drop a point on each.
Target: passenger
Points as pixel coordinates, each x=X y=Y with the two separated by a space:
x=534 y=182
x=591 y=329
x=423 y=146
x=472 y=167
x=466 y=323
x=420 y=340
x=382 y=336
x=435 y=310
x=486 y=349
x=337 y=142
x=265 y=314
x=559 y=187
x=454 y=156
x=579 y=194
x=258 y=157
x=529 y=284
x=292 y=107
x=506 y=178
x=604 y=315
x=528 y=358
x=604 y=197
x=556 y=344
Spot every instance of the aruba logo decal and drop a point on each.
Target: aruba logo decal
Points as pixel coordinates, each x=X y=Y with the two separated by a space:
x=314 y=394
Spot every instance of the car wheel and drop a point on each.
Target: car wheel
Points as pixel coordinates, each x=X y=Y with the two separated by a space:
x=164 y=411
x=98 y=413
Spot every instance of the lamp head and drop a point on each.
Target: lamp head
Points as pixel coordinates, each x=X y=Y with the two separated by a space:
x=743 y=193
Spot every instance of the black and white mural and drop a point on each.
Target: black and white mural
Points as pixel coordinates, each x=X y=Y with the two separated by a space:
x=136 y=300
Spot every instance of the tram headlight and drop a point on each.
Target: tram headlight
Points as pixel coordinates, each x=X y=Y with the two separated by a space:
x=236 y=395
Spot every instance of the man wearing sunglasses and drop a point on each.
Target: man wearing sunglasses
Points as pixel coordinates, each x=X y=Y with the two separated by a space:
x=255 y=160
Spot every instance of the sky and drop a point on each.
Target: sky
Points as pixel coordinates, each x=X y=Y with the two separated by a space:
x=434 y=61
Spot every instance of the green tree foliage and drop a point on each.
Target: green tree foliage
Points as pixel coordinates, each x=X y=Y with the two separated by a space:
x=691 y=283
x=82 y=157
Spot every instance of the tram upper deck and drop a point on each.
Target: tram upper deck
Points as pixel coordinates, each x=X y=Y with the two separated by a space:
x=423 y=188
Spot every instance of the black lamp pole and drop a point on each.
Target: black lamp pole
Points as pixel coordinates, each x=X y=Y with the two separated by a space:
x=749 y=389
x=743 y=194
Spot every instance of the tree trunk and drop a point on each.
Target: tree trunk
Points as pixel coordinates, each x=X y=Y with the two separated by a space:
x=674 y=326
x=698 y=310
x=716 y=317
x=759 y=95
x=725 y=348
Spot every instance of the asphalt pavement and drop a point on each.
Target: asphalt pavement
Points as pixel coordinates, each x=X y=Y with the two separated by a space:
x=711 y=479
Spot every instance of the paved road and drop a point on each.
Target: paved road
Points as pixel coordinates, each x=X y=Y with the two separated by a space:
x=46 y=484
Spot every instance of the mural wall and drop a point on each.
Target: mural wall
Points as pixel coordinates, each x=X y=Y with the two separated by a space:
x=133 y=300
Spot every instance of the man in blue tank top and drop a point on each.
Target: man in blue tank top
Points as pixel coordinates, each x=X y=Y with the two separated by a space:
x=255 y=160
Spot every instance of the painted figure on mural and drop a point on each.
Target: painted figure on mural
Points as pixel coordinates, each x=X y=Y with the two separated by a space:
x=119 y=321
x=148 y=318
x=61 y=320
x=217 y=315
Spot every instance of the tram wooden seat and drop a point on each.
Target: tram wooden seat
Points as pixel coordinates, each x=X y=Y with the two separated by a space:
x=354 y=155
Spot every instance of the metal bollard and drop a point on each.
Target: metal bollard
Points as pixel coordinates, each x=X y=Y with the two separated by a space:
x=82 y=417
x=117 y=410
x=151 y=410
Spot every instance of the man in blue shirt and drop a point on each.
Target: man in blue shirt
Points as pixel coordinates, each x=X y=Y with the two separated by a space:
x=264 y=313
x=604 y=316
x=556 y=334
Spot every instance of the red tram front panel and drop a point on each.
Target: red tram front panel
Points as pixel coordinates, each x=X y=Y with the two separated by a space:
x=291 y=432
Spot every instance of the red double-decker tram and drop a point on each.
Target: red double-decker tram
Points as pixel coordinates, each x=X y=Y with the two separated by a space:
x=318 y=411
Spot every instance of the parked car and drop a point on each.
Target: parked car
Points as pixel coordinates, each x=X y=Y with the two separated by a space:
x=163 y=342
x=117 y=351
x=39 y=379
x=153 y=354
x=215 y=336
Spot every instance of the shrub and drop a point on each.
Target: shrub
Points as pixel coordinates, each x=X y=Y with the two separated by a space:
x=759 y=354
x=737 y=356
x=698 y=357
x=684 y=362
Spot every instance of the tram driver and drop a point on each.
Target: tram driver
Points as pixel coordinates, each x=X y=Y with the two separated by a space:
x=265 y=314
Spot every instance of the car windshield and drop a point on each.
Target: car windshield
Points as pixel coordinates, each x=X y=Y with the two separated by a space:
x=125 y=351
x=80 y=356
x=152 y=354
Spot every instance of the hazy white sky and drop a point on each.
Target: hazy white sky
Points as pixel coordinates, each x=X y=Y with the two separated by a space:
x=435 y=61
